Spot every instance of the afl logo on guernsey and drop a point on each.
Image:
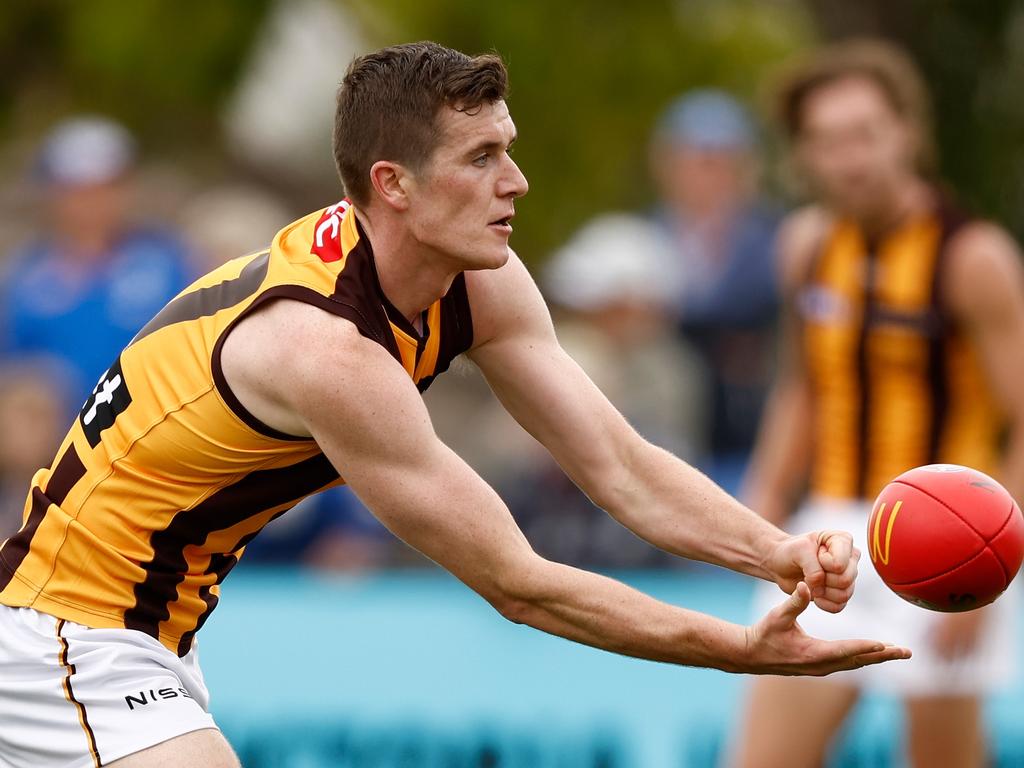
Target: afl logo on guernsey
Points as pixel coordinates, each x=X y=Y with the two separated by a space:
x=326 y=243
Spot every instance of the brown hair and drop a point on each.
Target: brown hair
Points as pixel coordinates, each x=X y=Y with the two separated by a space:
x=884 y=64
x=389 y=100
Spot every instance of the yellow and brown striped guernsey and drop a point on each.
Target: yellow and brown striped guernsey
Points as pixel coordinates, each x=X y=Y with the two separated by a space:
x=165 y=477
x=895 y=382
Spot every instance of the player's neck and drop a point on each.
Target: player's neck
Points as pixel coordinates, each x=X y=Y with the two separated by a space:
x=907 y=200
x=412 y=277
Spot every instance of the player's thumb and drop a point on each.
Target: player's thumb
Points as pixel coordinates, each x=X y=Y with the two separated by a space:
x=814 y=574
x=796 y=603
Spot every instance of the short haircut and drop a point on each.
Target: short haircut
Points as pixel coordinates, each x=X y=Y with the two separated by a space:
x=882 y=63
x=389 y=100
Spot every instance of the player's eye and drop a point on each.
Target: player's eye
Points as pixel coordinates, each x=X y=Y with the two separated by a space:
x=481 y=161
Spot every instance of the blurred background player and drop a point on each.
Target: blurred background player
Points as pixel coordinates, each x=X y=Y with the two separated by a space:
x=704 y=161
x=92 y=276
x=902 y=347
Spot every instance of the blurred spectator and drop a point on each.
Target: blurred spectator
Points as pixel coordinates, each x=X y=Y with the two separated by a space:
x=614 y=285
x=704 y=161
x=224 y=223
x=81 y=289
x=32 y=423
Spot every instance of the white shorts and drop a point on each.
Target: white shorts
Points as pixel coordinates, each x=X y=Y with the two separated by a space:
x=76 y=697
x=876 y=613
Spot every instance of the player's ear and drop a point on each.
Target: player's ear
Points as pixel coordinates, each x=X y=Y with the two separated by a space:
x=390 y=181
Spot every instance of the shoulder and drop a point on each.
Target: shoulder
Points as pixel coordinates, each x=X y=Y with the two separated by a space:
x=289 y=361
x=798 y=241
x=982 y=264
x=981 y=243
x=296 y=335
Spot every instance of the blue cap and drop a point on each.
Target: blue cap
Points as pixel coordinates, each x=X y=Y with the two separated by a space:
x=707 y=119
x=85 y=150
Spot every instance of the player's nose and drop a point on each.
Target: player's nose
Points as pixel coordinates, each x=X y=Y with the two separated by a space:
x=513 y=182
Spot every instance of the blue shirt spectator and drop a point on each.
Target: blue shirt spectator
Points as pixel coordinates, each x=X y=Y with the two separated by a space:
x=704 y=161
x=86 y=285
x=85 y=314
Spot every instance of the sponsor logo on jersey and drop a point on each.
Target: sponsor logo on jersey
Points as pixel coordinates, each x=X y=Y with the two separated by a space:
x=326 y=243
x=145 y=698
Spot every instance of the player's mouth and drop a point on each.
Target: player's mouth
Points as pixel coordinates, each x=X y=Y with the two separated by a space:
x=503 y=224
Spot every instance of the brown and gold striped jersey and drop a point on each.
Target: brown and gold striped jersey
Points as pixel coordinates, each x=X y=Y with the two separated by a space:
x=895 y=381
x=164 y=477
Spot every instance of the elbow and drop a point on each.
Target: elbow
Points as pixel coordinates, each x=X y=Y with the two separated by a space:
x=518 y=593
x=514 y=609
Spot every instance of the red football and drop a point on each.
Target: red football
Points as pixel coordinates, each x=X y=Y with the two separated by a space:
x=946 y=537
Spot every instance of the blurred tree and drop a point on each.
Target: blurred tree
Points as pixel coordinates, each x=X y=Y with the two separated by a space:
x=161 y=66
x=972 y=54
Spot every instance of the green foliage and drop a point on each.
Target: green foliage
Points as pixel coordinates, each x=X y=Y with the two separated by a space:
x=972 y=55
x=161 y=66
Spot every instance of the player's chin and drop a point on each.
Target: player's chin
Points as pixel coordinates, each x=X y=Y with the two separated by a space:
x=497 y=258
x=493 y=258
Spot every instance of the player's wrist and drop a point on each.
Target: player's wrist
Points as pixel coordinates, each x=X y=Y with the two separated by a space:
x=775 y=564
x=731 y=649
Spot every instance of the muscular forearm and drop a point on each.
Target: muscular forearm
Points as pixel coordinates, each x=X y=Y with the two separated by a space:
x=606 y=614
x=675 y=507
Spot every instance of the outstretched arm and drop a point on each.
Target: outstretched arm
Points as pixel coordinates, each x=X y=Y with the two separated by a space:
x=658 y=496
x=368 y=418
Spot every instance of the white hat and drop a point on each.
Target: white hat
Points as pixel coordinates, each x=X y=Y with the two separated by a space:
x=612 y=257
x=85 y=150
